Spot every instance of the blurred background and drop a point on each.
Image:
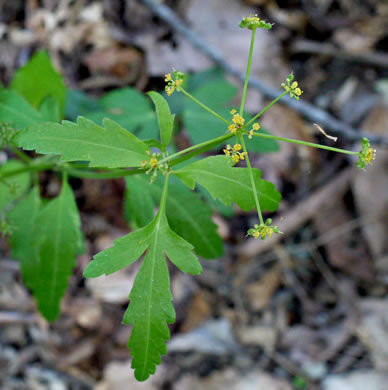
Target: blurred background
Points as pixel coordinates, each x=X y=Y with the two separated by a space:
x=305 y=310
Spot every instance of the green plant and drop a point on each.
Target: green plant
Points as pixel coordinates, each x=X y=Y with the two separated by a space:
x=45 y=235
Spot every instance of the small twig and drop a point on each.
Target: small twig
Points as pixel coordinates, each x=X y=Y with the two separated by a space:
x=370 y=58
x=310 y=111
x=10 y=317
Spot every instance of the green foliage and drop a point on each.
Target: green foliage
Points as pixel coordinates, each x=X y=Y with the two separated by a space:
x=46 y=244
x=45 y=235
x=13 y=187
x=110 y=146
x=150 y=309
x=129 y=108
x=22 y=238
x=15 y=110
x=230 y=184
x=188 y=215
x=28 y=81
x=165 y=119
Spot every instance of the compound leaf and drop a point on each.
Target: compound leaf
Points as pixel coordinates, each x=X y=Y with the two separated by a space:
x=56 y=238
x=150 y=309
x=165 y=118
x=230 y=184
x=187 y=214
x=110 y=146
x=16 y=110
x=38 y=79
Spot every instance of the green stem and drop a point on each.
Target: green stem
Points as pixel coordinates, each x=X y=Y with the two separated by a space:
x=23 y=156
x=266 y=108
x=27 y=168
x=212 y=142
x=295 y=141
x=244 y=94
x=255 y=195
x=114 y=174
x=163 y=199
x=203 y=105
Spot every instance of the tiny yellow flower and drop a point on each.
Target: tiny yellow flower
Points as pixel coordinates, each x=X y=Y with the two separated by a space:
x=178 y=83
x=264 y=230
x=235 y=158
x=233 y=111
x=237 y=147
x=232 y=128
x=256 y=126
x=298 y=91
x=153 y=162
x=367 y=154
x=238 y=120
x=170 y=89
x=292 y=87
x=167 y=77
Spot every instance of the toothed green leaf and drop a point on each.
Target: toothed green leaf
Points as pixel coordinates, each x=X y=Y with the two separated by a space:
x=56 y=238
x=230 y=184
x=187 y=214
x=110 y=146
x=150 y=308
x=165 y=119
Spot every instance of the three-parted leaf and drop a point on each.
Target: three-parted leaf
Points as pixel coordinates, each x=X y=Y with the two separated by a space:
x=29 y=82
x=165 y=118
x=150 y=308
x=11 y=188
x=230 y=184
x=16 y=110
x=22 y=219
x=57 y=239
x=187 y=214
x=110 y=146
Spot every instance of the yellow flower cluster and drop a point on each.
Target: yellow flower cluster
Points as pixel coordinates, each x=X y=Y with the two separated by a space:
x=238 y=122
x=292 y=87
x=253 y=21
x=152 y=165
x=256 y=127
x=367 y=154
x=264 y=230
x=172 y=84
x=234 y=153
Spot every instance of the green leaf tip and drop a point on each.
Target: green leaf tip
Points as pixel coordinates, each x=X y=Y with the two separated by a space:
x=165 y=118
x=150 y=308
x=38 y=79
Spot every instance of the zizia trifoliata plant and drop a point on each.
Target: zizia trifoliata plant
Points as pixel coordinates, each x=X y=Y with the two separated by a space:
x=45 y=235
